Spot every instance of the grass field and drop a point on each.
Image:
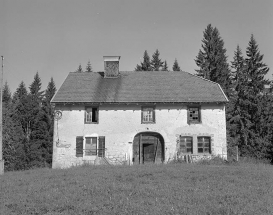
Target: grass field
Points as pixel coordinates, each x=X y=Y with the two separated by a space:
x=146 y=189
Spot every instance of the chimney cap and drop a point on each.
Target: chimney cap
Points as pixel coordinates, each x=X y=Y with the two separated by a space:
x=111 y=58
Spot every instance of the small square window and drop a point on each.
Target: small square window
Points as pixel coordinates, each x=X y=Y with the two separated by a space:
x=148 y=115
x=186 y=145
x=204 y=145
x=194 y=115
x=91 y=115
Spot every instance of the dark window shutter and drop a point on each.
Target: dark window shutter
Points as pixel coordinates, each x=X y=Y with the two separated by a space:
x=85 y=116
x=199 y=112
x=101 y=151
x=79 y=146
x=153 y=114
x=188 y=115
x=142 y=115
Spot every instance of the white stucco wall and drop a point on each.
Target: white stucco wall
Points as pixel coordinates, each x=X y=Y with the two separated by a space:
x=120 y=123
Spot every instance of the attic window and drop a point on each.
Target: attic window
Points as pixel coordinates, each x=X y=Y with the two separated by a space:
x=148 y=115
x=91 y=115
x=194 y=115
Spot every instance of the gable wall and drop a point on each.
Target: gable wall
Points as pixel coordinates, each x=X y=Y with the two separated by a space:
x=120 y=123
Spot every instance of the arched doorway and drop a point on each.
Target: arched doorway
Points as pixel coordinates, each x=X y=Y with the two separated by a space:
x=148 y=147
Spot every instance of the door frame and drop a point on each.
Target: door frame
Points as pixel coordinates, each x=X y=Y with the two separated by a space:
x=140 y=146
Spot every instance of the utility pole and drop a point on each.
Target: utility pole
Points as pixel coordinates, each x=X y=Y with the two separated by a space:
x=1 y=120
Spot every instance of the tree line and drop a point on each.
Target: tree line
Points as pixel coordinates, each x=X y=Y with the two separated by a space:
x=28 y=123
x=155 y=64
x=249 y=111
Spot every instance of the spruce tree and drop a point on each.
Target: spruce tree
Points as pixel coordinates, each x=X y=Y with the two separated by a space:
x=156 y=62
x=256 y=69
x=48 y=121
x=35 y=87
x=165 y=66
x=146 y=64
x=13 y=137
x=50 y=90
x=89 y=67
x=212 y=59
x=79 y=69
x=255 y=82
x=176 y=67
x=6 y=98
x=238 y=119
x=20 y=92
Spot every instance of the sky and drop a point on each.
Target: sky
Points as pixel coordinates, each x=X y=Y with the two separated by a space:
x=52 y=37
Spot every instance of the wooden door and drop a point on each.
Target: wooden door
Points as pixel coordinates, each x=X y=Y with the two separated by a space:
x=148 y=148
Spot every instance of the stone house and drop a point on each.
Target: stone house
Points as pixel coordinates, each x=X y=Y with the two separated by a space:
x=137 y=117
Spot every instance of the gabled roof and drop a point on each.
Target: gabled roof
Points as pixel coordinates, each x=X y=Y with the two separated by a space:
x=132 y=87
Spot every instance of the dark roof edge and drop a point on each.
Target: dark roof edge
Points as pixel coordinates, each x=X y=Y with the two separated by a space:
x=200 y=77
x=51 y=101
x=189 y=102
x=223 y=92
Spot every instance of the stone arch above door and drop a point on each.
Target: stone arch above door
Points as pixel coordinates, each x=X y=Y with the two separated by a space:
x=148 y=147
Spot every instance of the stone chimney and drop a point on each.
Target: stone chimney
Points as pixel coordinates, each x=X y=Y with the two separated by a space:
x=111 y=66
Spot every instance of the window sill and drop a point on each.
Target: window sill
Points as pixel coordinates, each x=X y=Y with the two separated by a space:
x=193 y=123
x=147 y=122
x=91 y=123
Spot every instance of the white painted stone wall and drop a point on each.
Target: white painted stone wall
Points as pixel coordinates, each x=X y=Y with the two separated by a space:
x=120 y=123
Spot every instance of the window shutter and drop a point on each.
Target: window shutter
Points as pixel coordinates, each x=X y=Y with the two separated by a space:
x=142 y=115
x=188 y=115
x=84 y=116
x=101 y=151
x=153 y=114
x=199 y=114
x=79 y=146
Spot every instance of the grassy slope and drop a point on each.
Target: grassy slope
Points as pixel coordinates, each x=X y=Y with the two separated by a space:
x=155 y=189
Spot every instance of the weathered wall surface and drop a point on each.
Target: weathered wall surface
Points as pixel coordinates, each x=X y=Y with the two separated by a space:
x=120 y=123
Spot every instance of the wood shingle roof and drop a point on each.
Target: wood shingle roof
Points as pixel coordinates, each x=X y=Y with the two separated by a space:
x=134 y=87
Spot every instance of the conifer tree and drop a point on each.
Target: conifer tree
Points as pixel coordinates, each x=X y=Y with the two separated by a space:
x=13 y=151
x=79 y=69
x=212 y=59
x=6 y=94
x=176 y=67
x=254 y=95
x=48 y=120
x=89 y=67
x=256 y=69
x=156 y=62
x=165 y=66
x=20 y=92
x=35 y=88
x=146 y=64
x=50 y=90
x=238 y=120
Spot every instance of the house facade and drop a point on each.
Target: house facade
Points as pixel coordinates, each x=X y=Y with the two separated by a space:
x=137 y=117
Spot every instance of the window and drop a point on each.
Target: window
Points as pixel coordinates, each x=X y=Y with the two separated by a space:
x=90 y=146
x=203 y=144
x=194 y=115
x=186 y=145
x=91 y=115
x=148 y=115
